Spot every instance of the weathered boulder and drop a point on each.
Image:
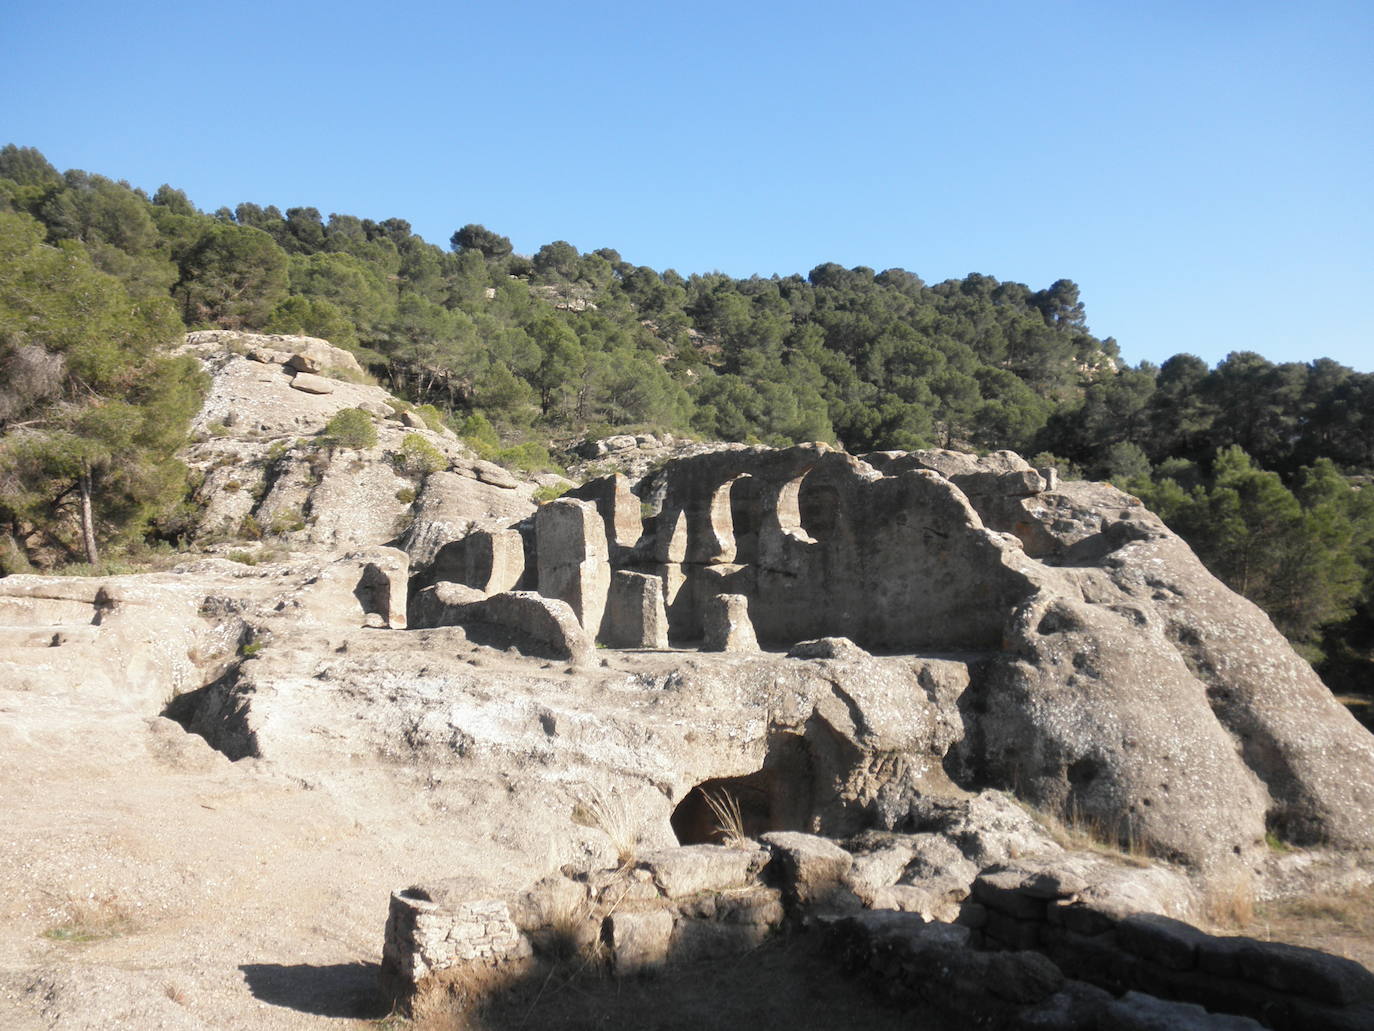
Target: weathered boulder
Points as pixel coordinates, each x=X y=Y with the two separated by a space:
x=693 y=869
x=639 y=941
x=492 y=561
x=523 y=619
x=312 y=384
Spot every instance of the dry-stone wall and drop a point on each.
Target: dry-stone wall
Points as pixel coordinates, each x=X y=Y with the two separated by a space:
x=683 y=903
x=1031 y=947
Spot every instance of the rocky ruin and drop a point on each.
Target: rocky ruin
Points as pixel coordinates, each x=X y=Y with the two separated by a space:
x=932 y=658
x=1103 y=671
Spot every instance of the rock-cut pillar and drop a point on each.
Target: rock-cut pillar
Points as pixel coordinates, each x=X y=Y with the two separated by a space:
x=573 y=559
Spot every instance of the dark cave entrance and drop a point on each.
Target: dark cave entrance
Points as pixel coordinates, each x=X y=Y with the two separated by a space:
x=777 y=797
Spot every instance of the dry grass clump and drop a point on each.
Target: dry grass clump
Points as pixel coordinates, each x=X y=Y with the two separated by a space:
x=729 y=821
x=609 y=815
x=1351 y=913
x=1078 y=832
x=90 y=919
x=1229 y=901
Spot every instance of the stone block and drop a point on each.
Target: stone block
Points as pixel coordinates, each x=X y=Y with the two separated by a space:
x=490 y=472
x=1081 y=918
x=1001 y=890
x=1137 y=1012
x=726 y=626
x=1303 y=1014
x=1023 y=977
x=620 y=510
x=636 y=616
x=1011 y=932
x=573 y=561
x=639 y=941
x=692 y=869
x=493 y=561
x=827 y=648
x=311 y=384
x=709 y=939
x=539 y=625
x=1317 y=975
x=812 y=869
x=1160 y=939
x=1220 y=957
x=306 y=363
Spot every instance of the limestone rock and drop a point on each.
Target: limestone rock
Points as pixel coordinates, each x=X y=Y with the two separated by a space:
x=726 y=626
x=574 y=564
x=530 y=622
x=813 y=869
x=450 y=504
x=490 y=472
x=826 y=648
x=492 y=561
x=635 y=614
x=1135 y=1011
x=694 y=869
x=639 y=941
x=312 y=384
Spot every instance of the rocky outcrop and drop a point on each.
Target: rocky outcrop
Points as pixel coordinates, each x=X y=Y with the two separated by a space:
x=1111 y=679
x=269 y=473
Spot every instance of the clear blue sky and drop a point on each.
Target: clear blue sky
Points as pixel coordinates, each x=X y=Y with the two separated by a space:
x=1202 y=170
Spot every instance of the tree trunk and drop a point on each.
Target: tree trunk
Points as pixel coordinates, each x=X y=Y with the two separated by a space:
x=83 y=483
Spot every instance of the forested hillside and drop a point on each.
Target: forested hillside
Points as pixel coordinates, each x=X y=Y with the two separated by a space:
x=1258 y=465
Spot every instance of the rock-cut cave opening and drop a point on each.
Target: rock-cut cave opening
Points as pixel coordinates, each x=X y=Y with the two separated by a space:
x=777 y=797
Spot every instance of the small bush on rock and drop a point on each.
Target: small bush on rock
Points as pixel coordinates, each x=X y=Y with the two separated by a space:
x=419 y=457
x=351 y=428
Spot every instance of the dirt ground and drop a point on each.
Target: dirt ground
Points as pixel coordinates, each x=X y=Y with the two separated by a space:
x=787 y=983
x=147 y=882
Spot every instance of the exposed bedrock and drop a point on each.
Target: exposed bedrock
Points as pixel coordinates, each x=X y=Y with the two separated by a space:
x=1113 y=680
x=929 y=624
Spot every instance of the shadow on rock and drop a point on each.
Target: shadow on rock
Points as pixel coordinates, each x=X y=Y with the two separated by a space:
x=330 y=990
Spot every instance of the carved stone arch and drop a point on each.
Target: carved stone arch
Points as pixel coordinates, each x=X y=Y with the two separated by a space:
x=788 y=509
x=818 y=503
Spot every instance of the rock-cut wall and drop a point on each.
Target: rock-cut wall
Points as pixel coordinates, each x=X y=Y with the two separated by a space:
x=1113 y=680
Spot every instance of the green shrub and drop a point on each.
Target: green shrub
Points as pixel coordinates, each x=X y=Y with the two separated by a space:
x=288 y=520
x=405 y=495
x=419 y=457
x=478 y=432
x=434 y=418
x=250 y=528
x=549 y=492
x=351 y=428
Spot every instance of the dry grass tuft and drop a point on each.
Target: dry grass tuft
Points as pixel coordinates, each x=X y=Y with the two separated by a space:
x=1077 y=832
x=91 y=919
x=1350 y=913
x=729 y=822
x=609 y=815
x=1229 y=901
x=175 y=993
